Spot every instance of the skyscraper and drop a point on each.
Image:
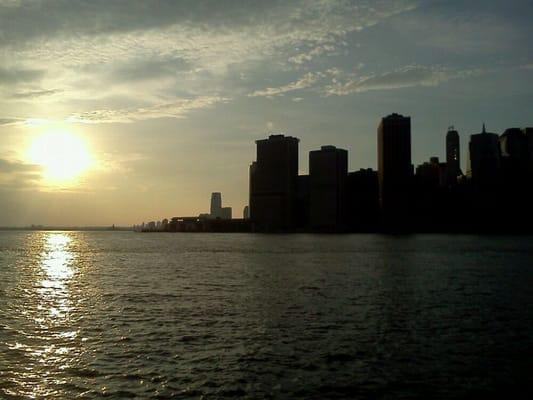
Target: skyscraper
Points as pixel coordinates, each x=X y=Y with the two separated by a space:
x=363 y=199
x=395 y=170
x=216 y=205
x=328 y=171
x=217 y=211
x=484 y=157
x=514 y=156
x=273 y=184
x=453 y=158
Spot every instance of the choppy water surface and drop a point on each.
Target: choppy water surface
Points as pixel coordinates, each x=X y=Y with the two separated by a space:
x=87 y=314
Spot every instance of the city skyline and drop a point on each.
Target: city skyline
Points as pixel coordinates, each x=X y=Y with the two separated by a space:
x=149 y=111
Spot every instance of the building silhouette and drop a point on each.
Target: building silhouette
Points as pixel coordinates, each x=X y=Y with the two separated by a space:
x=495 y=195
x=453 y=156
x=273 y=184
x=303 y=195
x=216 y=210
x=484 y=150
x=395 y=171
x=514 y=156
x=328 y=171
x=529 y=136
x=431 y=174
x=363 y=200
x=216 y=205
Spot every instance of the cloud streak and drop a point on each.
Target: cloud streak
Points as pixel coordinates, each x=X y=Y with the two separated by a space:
x=408 y=76
x=175 y=109
x=305 y=82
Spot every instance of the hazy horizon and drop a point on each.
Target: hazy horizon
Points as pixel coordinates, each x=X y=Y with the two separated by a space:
x=121 y=112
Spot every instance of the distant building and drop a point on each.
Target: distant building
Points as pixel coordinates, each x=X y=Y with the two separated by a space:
x=395 y=170
x=217 y=211
x=431 y=174
x=303 y=194
x=273 y=184
x=246 y=213
x=453 y=156
x=328 y=171
x=363 y=199
x=216 y=205
x=514 y=156
x=529 y=137
x=225 y=213
x=484 y=157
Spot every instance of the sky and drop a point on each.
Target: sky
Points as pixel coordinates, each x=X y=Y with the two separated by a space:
x=164 y=99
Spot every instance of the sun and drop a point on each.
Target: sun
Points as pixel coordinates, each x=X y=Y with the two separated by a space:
x=62 y=155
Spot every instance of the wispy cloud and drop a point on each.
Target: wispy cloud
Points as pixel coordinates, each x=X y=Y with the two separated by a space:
x=18 y=175
x=412 y=75
x=176 y=109
x=302 y=58
x=306 y=81
x=35 y=93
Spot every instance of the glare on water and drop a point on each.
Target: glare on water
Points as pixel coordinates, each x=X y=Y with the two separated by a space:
x=46 y=339
x=125 y=315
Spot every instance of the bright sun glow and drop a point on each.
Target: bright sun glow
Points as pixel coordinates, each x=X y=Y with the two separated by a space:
x=63 y=156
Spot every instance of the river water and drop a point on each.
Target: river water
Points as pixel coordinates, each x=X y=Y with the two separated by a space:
x=126 y=315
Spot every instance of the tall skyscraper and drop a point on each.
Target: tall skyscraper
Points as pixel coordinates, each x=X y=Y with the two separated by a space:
x=453 y=157
x=514 y=156
x=217 y=211
x=395 y=170
x=216 y=205
x=484 y=157
x=273 y=184
x=328 y=171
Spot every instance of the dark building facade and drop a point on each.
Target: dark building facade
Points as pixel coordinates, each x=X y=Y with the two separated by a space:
x=453 y=156
x=395 y=171
x=328 y=170
x=514 y=156
x=529 y=137
x=431 y=174
x=363 y=200
x=273 y=184
x=484 y=150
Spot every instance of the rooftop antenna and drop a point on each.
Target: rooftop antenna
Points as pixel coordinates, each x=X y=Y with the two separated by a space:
x=484 y=131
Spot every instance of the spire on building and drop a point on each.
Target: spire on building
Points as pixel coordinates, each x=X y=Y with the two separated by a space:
x=484 y=131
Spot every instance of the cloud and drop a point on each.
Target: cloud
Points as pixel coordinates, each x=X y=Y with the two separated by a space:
x=306 y=81
x=35 y=93
x=412 y=75
x=18 y=175
x=13 y=76
x=10 y=121
x=308 y=56
x=175 y=109
x=127 y=60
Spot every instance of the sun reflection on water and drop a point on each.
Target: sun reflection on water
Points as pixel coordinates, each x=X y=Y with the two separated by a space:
x=49 y=340
x=56 y=263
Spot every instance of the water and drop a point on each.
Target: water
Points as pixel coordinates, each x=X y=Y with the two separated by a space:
x=124 y=315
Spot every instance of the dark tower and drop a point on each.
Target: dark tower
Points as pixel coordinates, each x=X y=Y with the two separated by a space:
x=328 y=171
x=514 y=156
x=395 y=170
x=453 y=158
x=485 y=157
x=273 y=184
x=216 y=204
